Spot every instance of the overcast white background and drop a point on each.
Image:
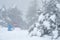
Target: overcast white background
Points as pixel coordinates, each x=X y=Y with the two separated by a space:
x=21 y=4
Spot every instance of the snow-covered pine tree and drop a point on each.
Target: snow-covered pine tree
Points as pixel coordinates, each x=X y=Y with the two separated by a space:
x=47 y=20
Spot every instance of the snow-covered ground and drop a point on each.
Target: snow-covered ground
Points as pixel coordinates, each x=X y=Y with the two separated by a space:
x=18 y=34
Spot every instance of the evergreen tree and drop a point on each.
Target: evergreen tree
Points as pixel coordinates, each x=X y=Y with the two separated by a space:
x=47 y=20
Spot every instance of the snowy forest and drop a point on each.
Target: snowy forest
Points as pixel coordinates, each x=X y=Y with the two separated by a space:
x=40 y=22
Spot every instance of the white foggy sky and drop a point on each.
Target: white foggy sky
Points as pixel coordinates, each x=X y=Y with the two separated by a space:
x=21 y=4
